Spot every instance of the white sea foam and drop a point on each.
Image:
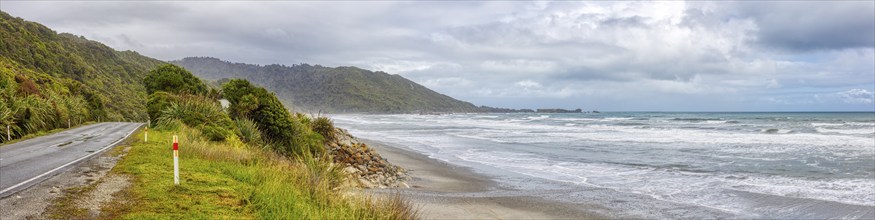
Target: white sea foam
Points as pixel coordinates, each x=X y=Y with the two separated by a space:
x=577 y=119
x=868 y=124
x=715 y=122
x=677 y=186
x=486 y=116
x=617 y=118
x=826 y=124
x=539 y=117
x=470 y=137
x=609 y=133
x=847 y=131
x=787 y=141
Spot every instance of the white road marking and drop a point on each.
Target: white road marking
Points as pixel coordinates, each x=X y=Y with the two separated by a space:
x=68 y=164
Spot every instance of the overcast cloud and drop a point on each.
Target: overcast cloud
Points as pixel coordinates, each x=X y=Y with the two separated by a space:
x=666 y=56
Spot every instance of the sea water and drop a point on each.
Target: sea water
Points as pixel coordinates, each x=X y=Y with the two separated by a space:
x=766 y=165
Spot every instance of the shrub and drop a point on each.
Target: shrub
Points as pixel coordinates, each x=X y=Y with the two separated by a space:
x=214 y=133
x=157 y=102
x=199 y=112
x=44 y=107
x=323 y=126
x=248 y=131
x=308 y=141
x=301 y=117
x=320 y=174
x=173 y=79
x=273 y=119
x=6 y=118
x=26 y=86
x=36 y=114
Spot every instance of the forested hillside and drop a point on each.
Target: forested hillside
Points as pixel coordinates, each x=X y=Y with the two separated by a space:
x=331 y=89
x=50 y=80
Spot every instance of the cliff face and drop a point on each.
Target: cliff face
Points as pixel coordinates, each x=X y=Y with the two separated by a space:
x=331 y=89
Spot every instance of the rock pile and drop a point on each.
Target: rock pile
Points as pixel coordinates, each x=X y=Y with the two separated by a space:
x=363 y=163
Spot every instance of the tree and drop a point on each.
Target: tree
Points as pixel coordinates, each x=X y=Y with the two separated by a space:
x=173 y=79
x=289 y=136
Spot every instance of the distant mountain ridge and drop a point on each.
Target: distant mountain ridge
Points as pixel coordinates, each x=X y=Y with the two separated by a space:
x=331 y=89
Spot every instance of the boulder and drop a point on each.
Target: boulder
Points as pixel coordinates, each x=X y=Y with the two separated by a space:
x=350 y=170
x=366 y=183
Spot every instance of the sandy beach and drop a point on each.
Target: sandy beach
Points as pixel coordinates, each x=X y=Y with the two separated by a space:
x=446 y=191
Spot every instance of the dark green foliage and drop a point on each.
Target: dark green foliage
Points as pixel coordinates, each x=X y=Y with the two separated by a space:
x=246 y=99
x=323 y=126
x=287 y=135
x=262 y=107
x=340 y=89
x=199 y=112
x=31 y=102
x=176 y=96
x=158 y=102
x=173 y=79
x=100 y=72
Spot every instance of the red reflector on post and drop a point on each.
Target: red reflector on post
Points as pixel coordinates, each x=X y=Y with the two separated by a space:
x=175 y=143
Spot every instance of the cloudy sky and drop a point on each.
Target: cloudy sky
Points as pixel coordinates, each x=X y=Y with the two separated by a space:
x=664 y=56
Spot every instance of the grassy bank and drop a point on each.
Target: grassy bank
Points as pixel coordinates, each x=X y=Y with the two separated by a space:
x=229 y=180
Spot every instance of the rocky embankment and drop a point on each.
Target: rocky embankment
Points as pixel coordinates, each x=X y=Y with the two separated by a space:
x=365 y=164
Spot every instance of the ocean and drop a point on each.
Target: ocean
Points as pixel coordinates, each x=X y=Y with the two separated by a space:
x=659 y=165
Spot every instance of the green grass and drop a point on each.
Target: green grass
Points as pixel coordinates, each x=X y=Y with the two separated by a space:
x=229 y=180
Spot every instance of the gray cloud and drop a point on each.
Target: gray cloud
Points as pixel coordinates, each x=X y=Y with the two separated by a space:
x=860 y=96
x=606 y=55
x=813 y=25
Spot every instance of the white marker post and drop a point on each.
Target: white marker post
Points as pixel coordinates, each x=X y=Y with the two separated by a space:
x=146 y=135
x=175 y=160
x=8 y=134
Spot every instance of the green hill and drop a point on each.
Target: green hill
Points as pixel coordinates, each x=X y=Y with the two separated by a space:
x=49 y=79
x=333 y=89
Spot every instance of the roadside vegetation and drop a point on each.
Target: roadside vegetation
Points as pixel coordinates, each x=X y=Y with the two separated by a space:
x=32 y=103
x=50 y=81
x=259 y=161
x=233 y=180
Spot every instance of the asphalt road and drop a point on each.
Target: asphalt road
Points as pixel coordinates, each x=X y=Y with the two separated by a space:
x=28 y=162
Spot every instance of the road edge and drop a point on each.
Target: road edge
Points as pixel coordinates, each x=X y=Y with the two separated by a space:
x=32 y=181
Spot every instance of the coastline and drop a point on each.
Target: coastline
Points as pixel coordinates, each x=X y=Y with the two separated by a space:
x=445 y=191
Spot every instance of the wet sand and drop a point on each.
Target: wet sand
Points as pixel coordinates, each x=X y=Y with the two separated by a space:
x=446 y=191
